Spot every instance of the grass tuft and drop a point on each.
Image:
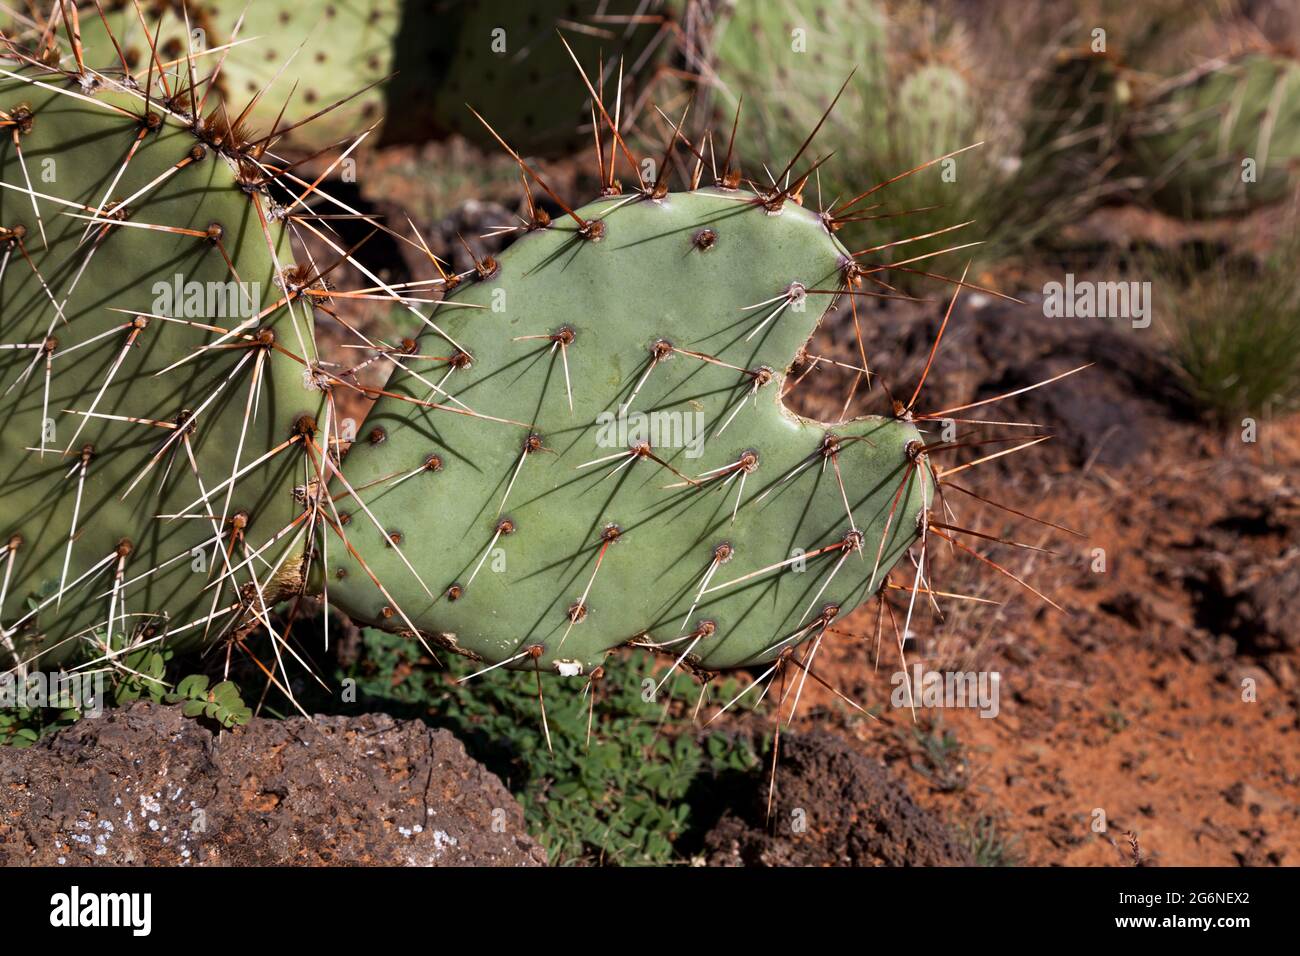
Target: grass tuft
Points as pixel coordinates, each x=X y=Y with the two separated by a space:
x=1234 y=331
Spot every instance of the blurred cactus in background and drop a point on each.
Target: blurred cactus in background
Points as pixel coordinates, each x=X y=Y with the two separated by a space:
x=1223 y=140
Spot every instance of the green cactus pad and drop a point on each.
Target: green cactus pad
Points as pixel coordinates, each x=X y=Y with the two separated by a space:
x=936 y=102
x=86 y=300
x=337 y=50
x=889 y=117
x=789 y=58
x=700 y=272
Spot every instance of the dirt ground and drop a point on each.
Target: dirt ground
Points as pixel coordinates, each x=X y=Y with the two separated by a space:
x=836 y=807
x=1153 y=717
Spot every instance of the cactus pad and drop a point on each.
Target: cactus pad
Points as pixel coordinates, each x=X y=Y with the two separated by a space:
x=547 y=528
x=789 y=58
x=303 y=57
x=99 y=438
x=585 y=445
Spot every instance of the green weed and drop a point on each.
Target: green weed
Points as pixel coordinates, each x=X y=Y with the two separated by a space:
x=620 y=800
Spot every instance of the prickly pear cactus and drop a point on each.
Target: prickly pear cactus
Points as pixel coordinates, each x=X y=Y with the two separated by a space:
x=320 y=53
x=585 y=446
x=143 y=369
x=891 y=114
x=416 y=63
x=618 y=466
x=284 y=59
x=1224 y=142
x=788 y=60
x=934 y=101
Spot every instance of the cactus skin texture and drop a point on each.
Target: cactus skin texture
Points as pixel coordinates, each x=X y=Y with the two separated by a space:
x=106 y=342
x=936 y=102
x=345 y=50
x=685 y=270
x=753 y=50
x=1190 y=143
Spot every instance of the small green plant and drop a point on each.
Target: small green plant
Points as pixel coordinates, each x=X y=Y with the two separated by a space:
x=141 y=675
x=221 y=702
x=1115 y=721
x=618 y=798
x=24 y=726
x=938 y=756
x=989 y=843
x=25 y=720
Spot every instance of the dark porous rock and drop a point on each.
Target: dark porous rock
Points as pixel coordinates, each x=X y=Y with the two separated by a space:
x=833 y=807
x=144 y=785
